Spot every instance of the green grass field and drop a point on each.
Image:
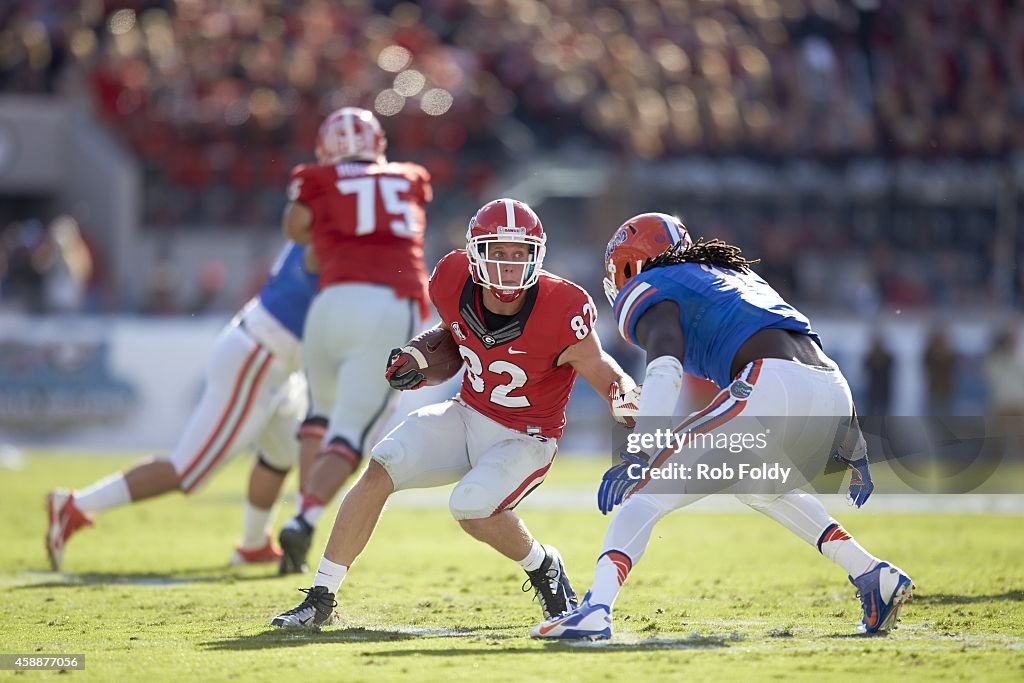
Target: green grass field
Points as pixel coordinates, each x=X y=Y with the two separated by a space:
x=147 y=596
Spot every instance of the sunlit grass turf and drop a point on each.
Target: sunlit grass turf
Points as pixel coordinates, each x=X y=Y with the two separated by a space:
x=721 y=596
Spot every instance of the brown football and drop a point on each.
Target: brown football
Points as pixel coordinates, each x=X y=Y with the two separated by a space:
x=436 y=354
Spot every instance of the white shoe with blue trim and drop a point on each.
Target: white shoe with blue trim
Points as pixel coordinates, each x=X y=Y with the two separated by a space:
x=586 y=622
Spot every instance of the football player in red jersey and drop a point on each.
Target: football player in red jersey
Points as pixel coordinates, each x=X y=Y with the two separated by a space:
x=524 y=335
x=364 y=217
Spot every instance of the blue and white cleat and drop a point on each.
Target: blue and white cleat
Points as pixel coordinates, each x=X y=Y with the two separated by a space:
x=882 y=592
x=586 y=622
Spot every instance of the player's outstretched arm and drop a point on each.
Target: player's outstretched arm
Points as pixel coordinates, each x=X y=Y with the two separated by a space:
x=599 y=369
x=659 y=334
x=297 y=223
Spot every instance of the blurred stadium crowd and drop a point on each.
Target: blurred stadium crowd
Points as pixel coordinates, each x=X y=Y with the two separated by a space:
x=207 y=78
x=219 y=98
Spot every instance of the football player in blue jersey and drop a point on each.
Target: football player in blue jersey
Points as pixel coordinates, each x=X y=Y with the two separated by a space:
x=255 y=395
x=697 y=306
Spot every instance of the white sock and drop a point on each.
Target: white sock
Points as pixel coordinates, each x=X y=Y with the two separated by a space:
x=839 y=546
x=612 y=569
x=330 y=575
x=624 y=544
x=104 y=494
x=254 y=527
x=535 y=558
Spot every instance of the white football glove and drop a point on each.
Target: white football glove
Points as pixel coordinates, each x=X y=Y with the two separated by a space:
x=624 y=405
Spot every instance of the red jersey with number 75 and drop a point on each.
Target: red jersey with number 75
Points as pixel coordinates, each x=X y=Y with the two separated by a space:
x=368 y=223
x=511 y=372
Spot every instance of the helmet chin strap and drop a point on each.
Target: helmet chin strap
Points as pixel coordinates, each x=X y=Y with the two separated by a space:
x=506 y=296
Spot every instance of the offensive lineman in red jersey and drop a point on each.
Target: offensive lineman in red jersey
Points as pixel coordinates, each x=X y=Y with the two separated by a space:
x=523 y=334
x=365 y=218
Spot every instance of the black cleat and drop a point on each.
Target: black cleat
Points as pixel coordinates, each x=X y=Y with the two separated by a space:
x=295 y=539
x=313 y=612
x=551 y=585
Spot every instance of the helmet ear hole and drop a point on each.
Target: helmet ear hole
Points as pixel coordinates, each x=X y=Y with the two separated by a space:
x=627 y=270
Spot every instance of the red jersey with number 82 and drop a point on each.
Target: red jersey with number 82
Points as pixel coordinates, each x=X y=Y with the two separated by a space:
x=368 y=223
x=511 y=373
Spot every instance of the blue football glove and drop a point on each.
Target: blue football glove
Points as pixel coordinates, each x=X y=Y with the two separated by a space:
x=616 y=482
x=860 y=480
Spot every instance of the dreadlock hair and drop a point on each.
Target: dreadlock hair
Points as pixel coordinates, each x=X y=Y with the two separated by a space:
x=710 y=253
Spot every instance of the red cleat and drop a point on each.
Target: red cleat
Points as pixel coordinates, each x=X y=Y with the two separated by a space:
x=64 y=520
x=267 y=554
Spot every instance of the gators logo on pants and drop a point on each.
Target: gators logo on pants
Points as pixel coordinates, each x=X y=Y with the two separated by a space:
x=740 y=389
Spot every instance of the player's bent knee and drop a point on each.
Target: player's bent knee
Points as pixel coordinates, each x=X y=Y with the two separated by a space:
x=378 y=476
x=279 y=463
x=389 y=455
x=168 y=475
x=757 y=500
x=470 y=502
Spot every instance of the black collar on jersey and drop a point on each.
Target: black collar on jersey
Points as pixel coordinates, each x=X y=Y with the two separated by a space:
x=492 y=320
x=472 y=314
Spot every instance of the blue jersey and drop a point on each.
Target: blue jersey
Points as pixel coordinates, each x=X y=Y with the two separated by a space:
x=290 y=289
x=719 y=309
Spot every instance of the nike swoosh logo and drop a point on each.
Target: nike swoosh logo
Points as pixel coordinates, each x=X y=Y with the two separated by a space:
x=305 y=621
x=545 y=629
x=873 y=615
x=513 y=352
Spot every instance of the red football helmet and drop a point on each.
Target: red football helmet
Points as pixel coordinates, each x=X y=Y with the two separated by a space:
x=350 y=134
x=503 y=221
x=640 y=238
